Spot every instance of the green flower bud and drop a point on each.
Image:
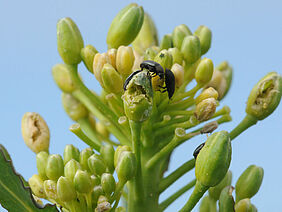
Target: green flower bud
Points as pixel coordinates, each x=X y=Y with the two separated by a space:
x=65 y=189
x=178 y=72
x=61 y=75
x=214 y=159
x=107 y=152
x=204 y=71
x=244 y=205
x=166 y=42
x=207 y=93
x=120 y=209
x=249 y=182
x=71 y=152
x=71 y=168
x=108 y=183
x=82 y=182
x=265 y=96
x=150 y=54
x=205 y=204
x=125 y=60
x=125 y=26
x=69 y=41
x=177 y=56
x=87 y=54
x=36 y=185
x=147 y=37
x=112 y=81
x=137 y=98
x=99 y=61
x=205 y=36
x=50 y=189
x=83 y=158
x=126 y=166
x=96 y=165
x=205 y=109
x=215 y=191
x=118 y=152
x=97 y=192
x=226 y=201
x=191 y=49
x=55 y=167
x=41 y=161
x=164 y=58
x=95 y=180
x=178 y=35
x=35 y=132
x=102 y=129
x=75 y=109
x=112 y=54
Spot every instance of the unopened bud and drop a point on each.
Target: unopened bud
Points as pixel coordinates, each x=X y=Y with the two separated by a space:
x=166 y=42
x=96 y=165
x=244 y=205
x=108 y=183
x=125 y=60
x=41 y=161
x=83 y=158
x=82 y=182
x=204 y=71
x=191 y=49
x=97 y=192
x=71 y=168
x=207 y=93
x=70 y=152
x=164 y=58
x=99 y=61
x=107 y=152
x=54 y=167
x=178 y=35
x=226 y=201
x=150 y=54
x=87 y=54
x=50 y=189
x=215 y=191
x=112 y=54
x=36 y=185
x=205 y=109
x=61 y=75
x=205 y=36
x=177 y=56
x=112 y=81
x=65 y=189
x=126 y=166
x=95 y=180
x=118 y=152
x=178 y=72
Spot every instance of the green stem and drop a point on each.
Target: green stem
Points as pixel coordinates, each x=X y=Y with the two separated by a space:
x=118 y=191
x=88 y=199
x=181 y=105
x=247 y=122
x=166 y=123
x=179 y=172
x=196 y=195
x=176 y=195
x=191 y=93
x=213 y=207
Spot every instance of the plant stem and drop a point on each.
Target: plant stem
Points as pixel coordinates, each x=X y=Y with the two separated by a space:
x=191 y=92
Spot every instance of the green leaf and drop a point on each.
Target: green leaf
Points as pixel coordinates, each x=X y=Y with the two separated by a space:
x=14 y=196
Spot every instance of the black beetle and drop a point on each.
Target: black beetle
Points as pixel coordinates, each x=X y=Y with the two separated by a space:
x=197 y=150
x=154 y=67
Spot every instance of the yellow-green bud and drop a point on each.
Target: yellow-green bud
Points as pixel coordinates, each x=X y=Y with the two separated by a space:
x=265 y=96
x=191 y=49
x=95 y=180
x=65 y=190
x=205 y=204
x=215 y=191
x=125 y=60
x=50 y=189
x=226 y=201
x=35 y=132
x=244 y=205
x=41 y=161
x=99 y=61
x=179 y=33
x=83 y=158
x=36 y=185
x=61 y=75
x=214 y=159
x=205 y=36
x=55 y=167
x=75 y=109
x=71 y=168
x=177 y=56
x=205 y=109
x=178 y=72
x=102 y=129
x=71 y=152
x=207 y=93
x=107 y=152
x=87 y=54
x=112 y=54
x=118 y=152
x=249 y=182
x=204 y=71
x=108 y=183
x=97 y=192
x=125 y=26
x=112 y=81
x=147 y=37
x=166 y=42
x=96 y=165
x=82 y=182
x=150 y=54
x=126 y=166
x=164 y=58
x=69 y=41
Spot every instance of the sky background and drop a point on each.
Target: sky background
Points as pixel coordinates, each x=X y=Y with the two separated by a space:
x=246 y=33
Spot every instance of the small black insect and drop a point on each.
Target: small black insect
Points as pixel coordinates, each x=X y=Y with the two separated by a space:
x=197 y=150
x=153 y=67
x=129 y=78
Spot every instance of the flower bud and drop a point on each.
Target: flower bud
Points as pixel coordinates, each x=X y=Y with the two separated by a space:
x=207 y=93
x=265 y=96
x=41 y=161
x=99 y=61
x=82 y=182
x=96 y=165
x=112 y=81
x=166 y=42
x=50 y=189
x=55 y=167
x=107 y=152
x=83 y=158
x=102 y=129
x=205 y=204
x=71 y=168
x=191 y=49
x=95 y=180
x=178 y=72
x=147 y=37
x=61 y=75
x=214 y=159
x=65 y=189
x=36 y=185
x=125 y=60
x=103 y=207
x=118 y=152
x=126 y=166
x=108 y=183
x=177 y=56
x=178 y=35
x=87 y=54
x=35 y=132
x=125 y=26
x=205 y=36
x=69 y=41
x=204 y=71
x=112 y=54
x=97 y=192
x=71 y=152
x=164 y=58
x=205 y=109
x=249 y=182
x=74 y=108
x=244 y=205
x=226 y=201
x=215 y=191
x=150 y=54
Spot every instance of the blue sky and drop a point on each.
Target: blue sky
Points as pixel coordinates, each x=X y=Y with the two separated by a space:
x=246 y=33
